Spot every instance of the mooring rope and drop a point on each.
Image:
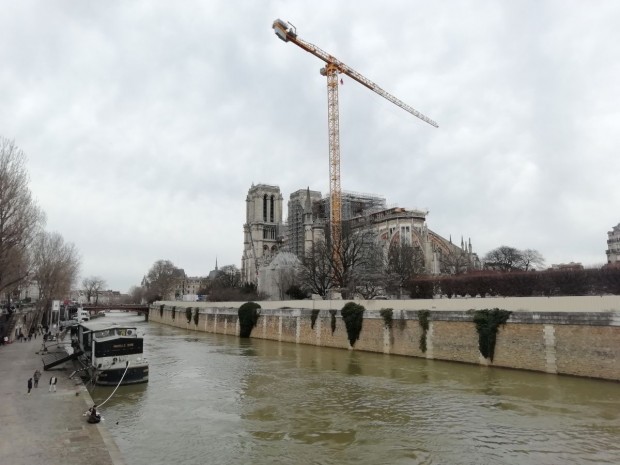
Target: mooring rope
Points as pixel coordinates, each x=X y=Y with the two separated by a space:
x=119 y=383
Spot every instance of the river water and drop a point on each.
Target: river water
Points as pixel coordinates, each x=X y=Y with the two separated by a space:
x=215 y=399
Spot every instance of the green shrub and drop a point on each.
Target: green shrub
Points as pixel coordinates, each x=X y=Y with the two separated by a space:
x=248 y=317
x=424 y=324
x=388 y=317
x=174 y=309
x=188 y=314
x=487 y=322
x=196 y=315
x=161 y=311
x=353 y=316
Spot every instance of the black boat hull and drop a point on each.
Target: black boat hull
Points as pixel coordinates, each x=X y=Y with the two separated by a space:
x=111 y=377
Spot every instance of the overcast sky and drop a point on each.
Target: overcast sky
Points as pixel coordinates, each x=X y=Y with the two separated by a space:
x=146 y=122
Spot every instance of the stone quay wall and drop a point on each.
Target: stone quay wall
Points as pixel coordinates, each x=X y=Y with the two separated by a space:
x=577 y=336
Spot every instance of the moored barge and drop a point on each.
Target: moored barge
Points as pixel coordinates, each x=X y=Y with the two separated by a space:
x=111 y=353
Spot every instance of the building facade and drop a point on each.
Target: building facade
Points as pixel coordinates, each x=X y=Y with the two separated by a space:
x=613 y=245
x=398 y=225
x=263 y=231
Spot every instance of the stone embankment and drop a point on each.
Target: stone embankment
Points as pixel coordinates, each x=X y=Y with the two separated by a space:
x=564 y=335
x=43 y=427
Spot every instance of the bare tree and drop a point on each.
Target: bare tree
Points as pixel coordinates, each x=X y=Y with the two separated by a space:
x=369 y=276
x=228 y=277
x=285 y=273
x=20 y=218
x=530 y=259
x=503 y=258
x=455 y=262
x=353 y=255
x=161 y=280
x=356 y=268
x=506 y=258
x=15 y=272
x=136 y=293
x=316 y=269
x=404 y=262
x=93 y=286
x=55 y=267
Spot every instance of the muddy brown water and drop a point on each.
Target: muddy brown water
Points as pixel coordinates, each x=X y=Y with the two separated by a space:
x=215 y=399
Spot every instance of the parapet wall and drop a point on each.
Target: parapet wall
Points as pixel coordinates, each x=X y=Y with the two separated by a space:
x=574 y=335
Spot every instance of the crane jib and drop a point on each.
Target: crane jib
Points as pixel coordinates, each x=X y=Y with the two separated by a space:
x=286 y=32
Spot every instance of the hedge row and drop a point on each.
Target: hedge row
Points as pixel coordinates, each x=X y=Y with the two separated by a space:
x=519 y=284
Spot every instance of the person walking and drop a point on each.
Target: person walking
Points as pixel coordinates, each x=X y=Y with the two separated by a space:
x=36 y=376
x=52 y=384
x=29 y=385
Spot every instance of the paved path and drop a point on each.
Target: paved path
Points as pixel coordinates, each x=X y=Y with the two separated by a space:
x=47 y=428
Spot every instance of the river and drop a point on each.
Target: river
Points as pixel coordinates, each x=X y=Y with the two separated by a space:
x=215 y=399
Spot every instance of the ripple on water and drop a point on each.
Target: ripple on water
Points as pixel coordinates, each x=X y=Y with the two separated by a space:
x=215 y=400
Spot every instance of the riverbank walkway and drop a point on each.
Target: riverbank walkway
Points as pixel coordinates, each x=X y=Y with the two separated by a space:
x=43 y=427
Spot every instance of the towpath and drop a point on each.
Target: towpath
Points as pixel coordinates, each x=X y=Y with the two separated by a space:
x=43 y=427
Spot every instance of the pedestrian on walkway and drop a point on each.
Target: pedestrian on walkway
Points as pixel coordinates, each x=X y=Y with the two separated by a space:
x=29 y=385
x=37 y=375
x=52 y=384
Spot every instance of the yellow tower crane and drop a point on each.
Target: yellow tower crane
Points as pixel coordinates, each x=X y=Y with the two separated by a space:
x=288 y=33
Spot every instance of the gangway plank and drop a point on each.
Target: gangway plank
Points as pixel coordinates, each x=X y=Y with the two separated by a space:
x=52 y=359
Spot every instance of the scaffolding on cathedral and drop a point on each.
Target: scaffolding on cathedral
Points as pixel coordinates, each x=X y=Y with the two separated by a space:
x=354 y=204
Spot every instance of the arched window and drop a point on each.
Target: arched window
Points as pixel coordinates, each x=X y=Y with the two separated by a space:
x=271 y=210
x=265 y=207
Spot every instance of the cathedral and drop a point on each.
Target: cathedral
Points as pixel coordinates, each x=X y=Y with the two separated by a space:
x=266 y=235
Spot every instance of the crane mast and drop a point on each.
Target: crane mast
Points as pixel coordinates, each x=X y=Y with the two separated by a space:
x=287 y=33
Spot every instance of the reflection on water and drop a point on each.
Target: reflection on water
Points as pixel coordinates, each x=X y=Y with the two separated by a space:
x=215 y=399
